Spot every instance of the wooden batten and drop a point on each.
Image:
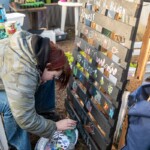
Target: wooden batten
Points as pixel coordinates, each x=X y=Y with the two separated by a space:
x=136 y=81
x=130 y=8
x=100 y=39
x=145 y=52
x=110 y=24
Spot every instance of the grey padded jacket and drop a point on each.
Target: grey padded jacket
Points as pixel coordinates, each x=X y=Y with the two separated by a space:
x=21 y=79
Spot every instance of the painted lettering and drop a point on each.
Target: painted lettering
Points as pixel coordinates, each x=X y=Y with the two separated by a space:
x=87 y=50
x=106 y=43
x=114 y=50
x=110 y=68
x=100 y=61
x=89 y=16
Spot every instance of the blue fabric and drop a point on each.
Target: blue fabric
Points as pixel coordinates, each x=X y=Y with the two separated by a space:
x=45 y=97
x=138 y=134
x=44 y=101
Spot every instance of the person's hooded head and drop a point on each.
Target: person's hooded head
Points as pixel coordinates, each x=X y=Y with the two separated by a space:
x=51 y=61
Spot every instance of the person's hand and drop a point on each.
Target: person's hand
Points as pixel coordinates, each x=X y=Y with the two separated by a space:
x=65 y=124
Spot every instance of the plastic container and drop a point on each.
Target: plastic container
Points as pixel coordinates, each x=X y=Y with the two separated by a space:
x=10 y=27
x=18 y=17
x=60 y=35
x=60 y=141
x=2 y=14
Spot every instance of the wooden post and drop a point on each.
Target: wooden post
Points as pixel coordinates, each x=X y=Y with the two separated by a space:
x=137 y=80
x=123 y=134
x=145 y=52
x=33 y=17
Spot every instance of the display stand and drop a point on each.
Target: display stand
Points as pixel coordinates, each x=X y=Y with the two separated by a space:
x=102 y=53
x=64 y=13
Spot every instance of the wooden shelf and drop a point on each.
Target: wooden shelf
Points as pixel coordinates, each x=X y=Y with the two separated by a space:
x=31 y=12
x=15 y=7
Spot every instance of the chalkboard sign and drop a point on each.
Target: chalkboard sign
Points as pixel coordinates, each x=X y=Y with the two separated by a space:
x=102 y=53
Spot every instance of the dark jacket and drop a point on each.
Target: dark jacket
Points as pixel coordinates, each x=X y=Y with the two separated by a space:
x=138 y=134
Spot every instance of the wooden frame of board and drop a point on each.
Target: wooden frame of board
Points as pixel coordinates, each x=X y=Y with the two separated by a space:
x=102 y=54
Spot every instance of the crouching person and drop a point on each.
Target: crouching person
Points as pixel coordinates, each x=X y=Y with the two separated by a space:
x=29 y=66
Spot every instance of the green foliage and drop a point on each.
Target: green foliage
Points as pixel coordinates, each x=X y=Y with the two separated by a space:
x=30 y=1
x=134 y=65
x=32 y=5
x=69 y=57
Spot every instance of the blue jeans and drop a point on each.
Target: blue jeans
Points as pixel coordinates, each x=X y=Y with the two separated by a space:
x=44 y=102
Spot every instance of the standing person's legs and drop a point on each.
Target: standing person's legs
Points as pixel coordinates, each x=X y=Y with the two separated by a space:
x=16 y=136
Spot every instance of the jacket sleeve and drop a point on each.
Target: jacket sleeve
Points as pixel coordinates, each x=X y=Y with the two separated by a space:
x=20 y=89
